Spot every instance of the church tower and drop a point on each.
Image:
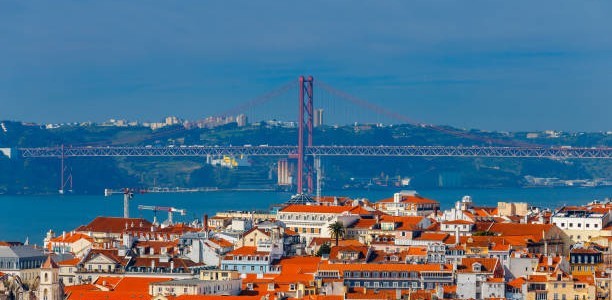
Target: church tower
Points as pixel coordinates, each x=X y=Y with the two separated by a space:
x=50 y=287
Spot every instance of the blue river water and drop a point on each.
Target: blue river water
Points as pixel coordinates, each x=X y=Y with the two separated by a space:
x=32 y=216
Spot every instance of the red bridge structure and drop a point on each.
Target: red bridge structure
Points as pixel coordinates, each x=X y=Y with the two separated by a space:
x=307 y=153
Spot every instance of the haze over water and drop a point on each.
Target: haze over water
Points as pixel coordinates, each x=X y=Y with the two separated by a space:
x=32 y=216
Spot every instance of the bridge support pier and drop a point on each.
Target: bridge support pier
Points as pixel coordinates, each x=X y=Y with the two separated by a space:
x=305 y=124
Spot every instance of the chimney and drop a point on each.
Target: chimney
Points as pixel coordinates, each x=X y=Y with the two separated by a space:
x=397 y=197
x=545 y=243
x=550 y=260
x=64 y=235
x=456 y=235
x=206 y=223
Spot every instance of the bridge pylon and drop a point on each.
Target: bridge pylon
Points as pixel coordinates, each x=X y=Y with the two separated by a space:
x=305 y=169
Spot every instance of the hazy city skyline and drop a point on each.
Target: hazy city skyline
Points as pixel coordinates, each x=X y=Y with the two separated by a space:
x=502 y=66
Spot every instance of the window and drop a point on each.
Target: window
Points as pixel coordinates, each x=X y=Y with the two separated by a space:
x=587 y=225
x=579 y=225
x=571 y=224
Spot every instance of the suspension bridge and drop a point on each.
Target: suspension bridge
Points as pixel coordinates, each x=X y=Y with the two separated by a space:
x=307 y=153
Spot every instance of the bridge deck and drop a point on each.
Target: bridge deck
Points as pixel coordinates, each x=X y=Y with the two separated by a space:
x=432 y=151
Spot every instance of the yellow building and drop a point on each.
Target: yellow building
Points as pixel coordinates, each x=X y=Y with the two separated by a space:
x=585 y=261
x=560 y=286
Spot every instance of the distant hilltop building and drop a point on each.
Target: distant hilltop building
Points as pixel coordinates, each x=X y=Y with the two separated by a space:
x=241 y=120
x=318 y=117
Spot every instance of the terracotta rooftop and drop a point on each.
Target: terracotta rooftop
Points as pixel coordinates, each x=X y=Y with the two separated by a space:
x=69 y=262
x=458 y=222
x=115 y=225
x=71 y=237
x=221 y=242
x=513 y=229
x=386 y=267
x=417 y=199
x=246 y=250
x=403 y=222
x=127 y=288
x=487 y=264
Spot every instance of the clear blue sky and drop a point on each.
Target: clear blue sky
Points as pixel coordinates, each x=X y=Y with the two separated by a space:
x=499 y=65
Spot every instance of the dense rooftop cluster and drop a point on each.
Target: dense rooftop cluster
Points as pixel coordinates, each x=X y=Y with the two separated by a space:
x=402 y=247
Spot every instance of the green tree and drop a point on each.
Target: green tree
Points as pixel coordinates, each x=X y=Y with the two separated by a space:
x=337 y=230
x=324 y=249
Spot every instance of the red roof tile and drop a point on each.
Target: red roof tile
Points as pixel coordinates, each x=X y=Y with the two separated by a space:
x=115 y=225
x=410 y=199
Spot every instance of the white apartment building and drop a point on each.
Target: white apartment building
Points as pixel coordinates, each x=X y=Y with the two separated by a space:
x=408 y=203
x=311 y=221
x=583 y=223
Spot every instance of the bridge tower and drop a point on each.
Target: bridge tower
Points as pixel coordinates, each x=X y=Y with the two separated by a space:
x=305 y=124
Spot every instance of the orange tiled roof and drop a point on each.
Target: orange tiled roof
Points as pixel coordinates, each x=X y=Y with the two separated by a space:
x=304 y=264
x=108 y=281
x=410 y=199
x=246 y=250
x=386 y=267
x=487 y=264
x=127 y=288
x=404 y=222
x=335 y=250
x=114 y=225
x=290 y=232
x=584 y=279
x=458 y=222
x=416 y=251
x=71 y=238
x=513 y=229
x=363 y=223
x=221 y=242
x=516 y=283
x=69 y=262
x=80 y=287
x=177 y=229
x=537 y=278
x=432 y=236
x=584 y=251
x=299 y=208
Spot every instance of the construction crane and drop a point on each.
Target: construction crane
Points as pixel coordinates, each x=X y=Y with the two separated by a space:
x=128 y=194
x=170 y=210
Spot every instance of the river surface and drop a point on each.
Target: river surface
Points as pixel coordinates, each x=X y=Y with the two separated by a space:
x=32 y=216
